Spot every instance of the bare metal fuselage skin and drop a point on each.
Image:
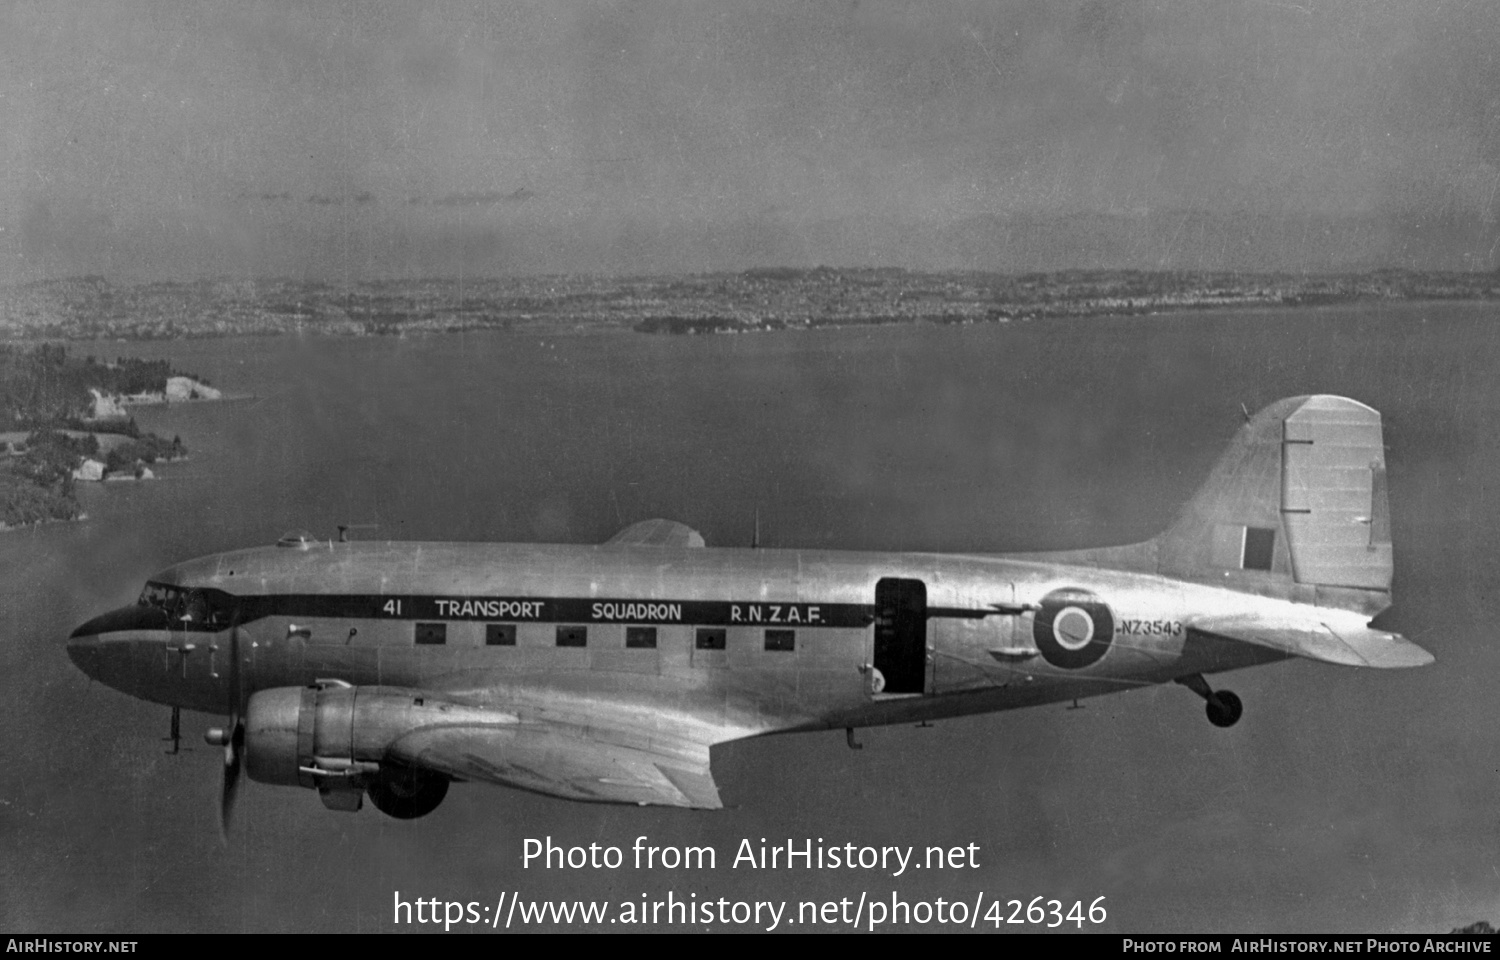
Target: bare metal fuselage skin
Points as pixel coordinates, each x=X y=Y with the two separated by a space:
x=791 y=635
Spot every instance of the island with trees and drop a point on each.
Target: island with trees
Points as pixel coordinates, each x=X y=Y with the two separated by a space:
x=64 y=421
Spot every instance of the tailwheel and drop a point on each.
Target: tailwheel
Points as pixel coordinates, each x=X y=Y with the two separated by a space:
x=407 y=792
x=1224 y=709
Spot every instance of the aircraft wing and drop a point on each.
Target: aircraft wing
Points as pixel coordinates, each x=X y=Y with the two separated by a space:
x=658 y=533
x=577 y=761
x=1355 y=645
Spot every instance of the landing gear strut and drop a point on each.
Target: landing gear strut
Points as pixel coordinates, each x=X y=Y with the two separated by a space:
x=1224 y=708
x=174 y=734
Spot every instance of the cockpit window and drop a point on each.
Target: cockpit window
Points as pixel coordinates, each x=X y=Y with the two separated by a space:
x=157 y=595
x=185 y=606
x=196 y=608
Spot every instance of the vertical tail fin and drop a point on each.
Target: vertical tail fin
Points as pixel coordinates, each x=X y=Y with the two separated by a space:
x=1298 y=499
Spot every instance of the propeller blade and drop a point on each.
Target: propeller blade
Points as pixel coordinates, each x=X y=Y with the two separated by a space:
x=234 y=742
x=231 y=779
x=236 y=693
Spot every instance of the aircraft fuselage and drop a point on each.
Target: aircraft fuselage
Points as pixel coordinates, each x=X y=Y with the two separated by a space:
x=752 y=640
x=607 y=673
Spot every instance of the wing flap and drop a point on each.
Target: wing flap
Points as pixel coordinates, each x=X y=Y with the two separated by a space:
x=658 y=533
x=1331 y=642
x=567 y=762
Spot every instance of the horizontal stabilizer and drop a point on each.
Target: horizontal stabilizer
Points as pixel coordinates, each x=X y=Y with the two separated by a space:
x=1352 y=645
x=658 y=533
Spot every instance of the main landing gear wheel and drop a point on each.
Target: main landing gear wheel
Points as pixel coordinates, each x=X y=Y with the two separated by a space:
x=408 y=793
x=1224 y=708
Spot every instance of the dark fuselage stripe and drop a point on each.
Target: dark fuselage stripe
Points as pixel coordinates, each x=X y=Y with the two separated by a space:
x=549 y=610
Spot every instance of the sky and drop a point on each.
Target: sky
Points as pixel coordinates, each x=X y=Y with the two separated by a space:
x=342 y=141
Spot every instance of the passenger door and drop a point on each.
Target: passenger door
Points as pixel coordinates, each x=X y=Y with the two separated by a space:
x=900 y=642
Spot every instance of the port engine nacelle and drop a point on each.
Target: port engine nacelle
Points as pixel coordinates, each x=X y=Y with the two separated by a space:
x=336 y=739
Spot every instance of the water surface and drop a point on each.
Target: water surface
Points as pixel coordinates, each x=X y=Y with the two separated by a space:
x=1345 y=800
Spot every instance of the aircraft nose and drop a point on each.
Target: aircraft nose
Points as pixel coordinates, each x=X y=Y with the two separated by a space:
x=85 y=632
x=83 y=650
x=89 y=646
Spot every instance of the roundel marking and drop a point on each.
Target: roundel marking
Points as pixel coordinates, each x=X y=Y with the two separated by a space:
x=1074 y=628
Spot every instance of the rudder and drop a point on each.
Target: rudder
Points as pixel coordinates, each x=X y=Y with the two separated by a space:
x=1299 y=498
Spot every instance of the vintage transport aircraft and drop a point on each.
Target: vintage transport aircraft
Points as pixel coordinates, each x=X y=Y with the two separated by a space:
x=607 y=672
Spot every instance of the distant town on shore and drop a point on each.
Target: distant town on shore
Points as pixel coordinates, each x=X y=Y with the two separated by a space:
x=93 y=308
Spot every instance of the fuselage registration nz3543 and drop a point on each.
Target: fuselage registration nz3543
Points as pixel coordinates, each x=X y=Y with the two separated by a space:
x=606 y=673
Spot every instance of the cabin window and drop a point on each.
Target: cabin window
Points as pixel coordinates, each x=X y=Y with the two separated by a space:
x=572 y=636
x=781 y=639
x=499 y=634
x=432 y=633
x=640 y=638
x=710 y=638
x=1260 y=543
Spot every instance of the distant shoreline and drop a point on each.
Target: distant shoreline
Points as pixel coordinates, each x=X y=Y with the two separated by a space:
x=15 y=527
x=714 y=325
x=779 y=298
x=168 y=402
